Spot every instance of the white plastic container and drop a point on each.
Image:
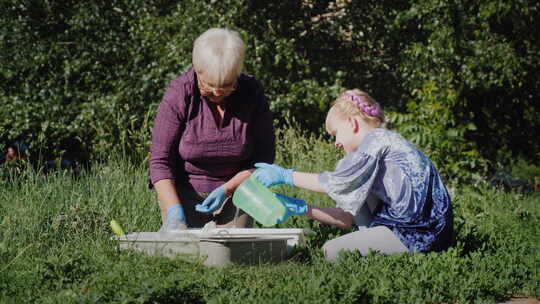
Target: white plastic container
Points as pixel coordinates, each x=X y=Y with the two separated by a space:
x=219 y=246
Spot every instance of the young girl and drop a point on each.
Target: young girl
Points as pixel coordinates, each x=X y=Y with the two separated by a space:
x=384 y=185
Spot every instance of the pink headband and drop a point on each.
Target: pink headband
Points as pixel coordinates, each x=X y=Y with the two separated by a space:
x=373 y=110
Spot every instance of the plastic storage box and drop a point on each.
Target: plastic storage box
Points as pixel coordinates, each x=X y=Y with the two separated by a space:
x=219 y=246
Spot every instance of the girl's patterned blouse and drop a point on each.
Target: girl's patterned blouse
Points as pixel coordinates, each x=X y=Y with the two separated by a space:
x=411 y=198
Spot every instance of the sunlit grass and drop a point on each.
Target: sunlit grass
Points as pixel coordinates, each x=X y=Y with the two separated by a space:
x=55 y=246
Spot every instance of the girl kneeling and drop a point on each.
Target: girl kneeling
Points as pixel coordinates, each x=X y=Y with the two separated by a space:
x=384 y=185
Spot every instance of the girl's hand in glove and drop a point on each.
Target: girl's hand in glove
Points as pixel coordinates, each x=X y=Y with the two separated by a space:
x=292 y=205
x=270 y=175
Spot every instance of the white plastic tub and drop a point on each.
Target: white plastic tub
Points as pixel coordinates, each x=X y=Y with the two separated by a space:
x=219 y=246
x=294 y=236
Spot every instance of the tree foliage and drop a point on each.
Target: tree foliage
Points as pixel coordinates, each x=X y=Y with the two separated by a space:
x=85 y=77
x=488 y=53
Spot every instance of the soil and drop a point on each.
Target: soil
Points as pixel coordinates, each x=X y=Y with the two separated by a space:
x=521 y=300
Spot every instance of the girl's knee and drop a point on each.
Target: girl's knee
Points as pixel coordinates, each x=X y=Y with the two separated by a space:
x=330 y=251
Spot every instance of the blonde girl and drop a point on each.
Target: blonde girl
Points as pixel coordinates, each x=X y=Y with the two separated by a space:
x=384 y=185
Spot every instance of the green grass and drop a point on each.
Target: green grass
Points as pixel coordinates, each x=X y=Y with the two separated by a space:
x=55 y=247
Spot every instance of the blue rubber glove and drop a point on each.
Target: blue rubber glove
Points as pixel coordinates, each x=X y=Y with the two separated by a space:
x=292 y=205
x=176 y=219
x=213 y=202
x=270 y=175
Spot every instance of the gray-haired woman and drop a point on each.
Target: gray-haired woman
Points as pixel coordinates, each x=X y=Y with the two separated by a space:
x=212 y=126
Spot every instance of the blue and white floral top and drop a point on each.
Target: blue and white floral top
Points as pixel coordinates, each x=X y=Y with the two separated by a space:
x=410 y=197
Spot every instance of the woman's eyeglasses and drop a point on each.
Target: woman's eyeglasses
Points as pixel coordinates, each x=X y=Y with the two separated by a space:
x=208 y=89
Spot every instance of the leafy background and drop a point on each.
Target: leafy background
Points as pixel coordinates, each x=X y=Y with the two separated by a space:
x=82 y=79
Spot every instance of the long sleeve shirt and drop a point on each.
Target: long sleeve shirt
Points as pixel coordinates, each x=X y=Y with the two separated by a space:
x=190 y=147
x=412 y=199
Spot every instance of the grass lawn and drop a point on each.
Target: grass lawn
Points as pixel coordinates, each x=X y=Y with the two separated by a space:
x=55 y=247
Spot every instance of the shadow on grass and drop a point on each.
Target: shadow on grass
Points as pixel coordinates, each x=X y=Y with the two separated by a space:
x=175 y=296
x=468 y=239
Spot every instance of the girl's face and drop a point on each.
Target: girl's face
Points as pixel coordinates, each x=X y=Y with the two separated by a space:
x=344 y=129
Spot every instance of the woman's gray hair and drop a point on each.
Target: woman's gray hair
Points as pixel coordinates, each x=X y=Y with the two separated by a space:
x=218 y=54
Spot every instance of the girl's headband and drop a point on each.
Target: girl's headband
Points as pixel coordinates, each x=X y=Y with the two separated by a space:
x=361 y=101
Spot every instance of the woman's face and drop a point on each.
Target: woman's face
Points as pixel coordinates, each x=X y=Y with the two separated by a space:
x=214 y=93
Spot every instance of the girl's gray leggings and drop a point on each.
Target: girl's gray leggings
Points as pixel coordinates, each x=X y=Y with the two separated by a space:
x=378 y=238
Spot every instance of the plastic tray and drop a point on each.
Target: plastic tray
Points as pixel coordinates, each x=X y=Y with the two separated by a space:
x=219 y=246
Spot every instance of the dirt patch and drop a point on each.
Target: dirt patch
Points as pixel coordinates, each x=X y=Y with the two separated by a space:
x=521 y=300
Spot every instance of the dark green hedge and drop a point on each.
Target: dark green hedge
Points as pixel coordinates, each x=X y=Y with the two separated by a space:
x=85 y=77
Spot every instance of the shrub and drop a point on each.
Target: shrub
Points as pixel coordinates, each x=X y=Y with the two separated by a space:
x=486 y=54
x=88 y=75
x=432 y=125
x=83 y=78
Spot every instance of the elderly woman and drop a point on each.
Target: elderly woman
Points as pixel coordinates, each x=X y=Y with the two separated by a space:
x=212 y=126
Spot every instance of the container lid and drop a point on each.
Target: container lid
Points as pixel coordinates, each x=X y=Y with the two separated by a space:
x=246 y=232
x=194 y=237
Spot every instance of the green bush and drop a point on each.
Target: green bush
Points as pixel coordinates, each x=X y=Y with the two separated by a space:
x=431 y=124
x=306 y=52
x=89 y=75
x=486 y=54
x=83 y=78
